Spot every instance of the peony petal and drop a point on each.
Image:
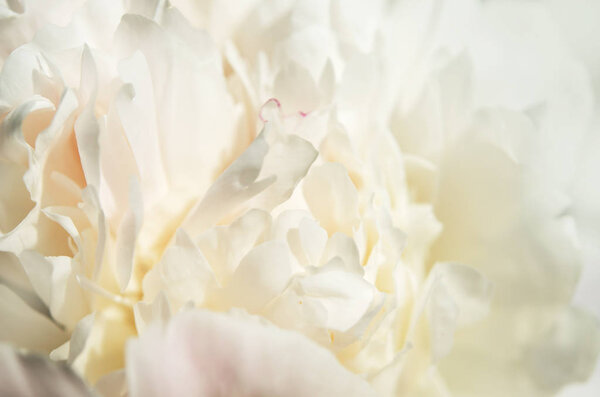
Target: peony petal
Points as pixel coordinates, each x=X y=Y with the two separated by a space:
x=13 y=276
x=87 y=129
x=220 y=354
x=117 y=166
x=93 y=210
x=288 y=160
x=341 y=246
x=225 y=246
x=295 y=87
x=307 y=241
x=332 y=198
x=39 y=271
x=132 y=103
x=127 y=235
x=113 y=384
x=261 y=276
x=345 y=296
x=267 y=172
x=16 y=83
x=68 y=303
x=568 y=351
x=196 y=132
x=26 y=327
x=235 y=185
x=183 y=274
x=80 y=336
x=459 y=296
x=31 y=375
x=518 y=233
x=159 y=311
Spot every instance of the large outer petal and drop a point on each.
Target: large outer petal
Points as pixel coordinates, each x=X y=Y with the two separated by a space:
x=206 y=354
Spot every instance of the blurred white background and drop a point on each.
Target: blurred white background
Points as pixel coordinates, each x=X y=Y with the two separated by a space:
x=580 y=21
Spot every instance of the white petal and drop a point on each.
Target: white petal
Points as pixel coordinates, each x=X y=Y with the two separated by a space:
x=80 y=336
x=567 y=352
x=468 y=288
x=332 y=198
x=307 y=241
x=26 y=327
x=133 y=102
x=13 y=275
x=87 y=131
x=159 y=311
x=288 y=159
x=68 y=303
x=16 y=83
x=341 y=246
x=262 y=177
x=193 y=108
x=295 y=89
x=238 y=183
x=225 y=246
x=183 y=274
x=345 y=296
x=117 y=166
x=31 y=375
x=127 y=235
x=261 y=276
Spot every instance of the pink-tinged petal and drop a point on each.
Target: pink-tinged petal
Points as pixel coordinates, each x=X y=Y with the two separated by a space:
x=207 y=354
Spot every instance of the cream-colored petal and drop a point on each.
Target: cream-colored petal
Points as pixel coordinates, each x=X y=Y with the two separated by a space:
x=332 y=198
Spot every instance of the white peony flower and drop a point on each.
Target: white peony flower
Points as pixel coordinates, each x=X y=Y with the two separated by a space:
x=293 y=198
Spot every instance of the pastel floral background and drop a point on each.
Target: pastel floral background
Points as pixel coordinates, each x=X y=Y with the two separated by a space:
x=299 y=198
